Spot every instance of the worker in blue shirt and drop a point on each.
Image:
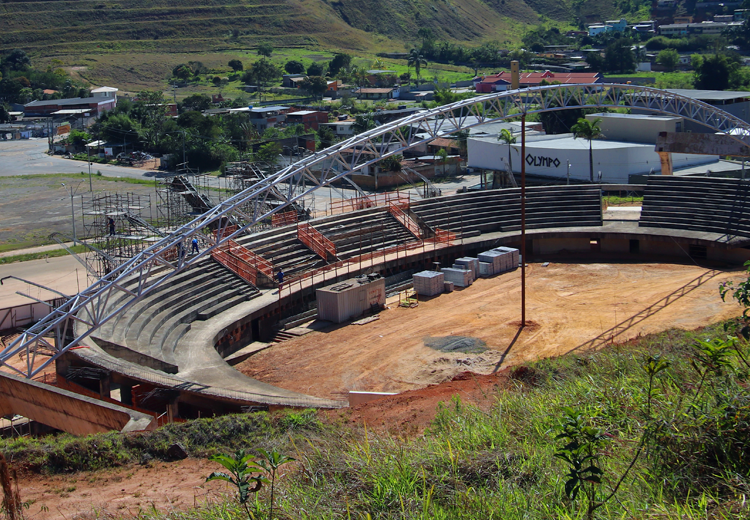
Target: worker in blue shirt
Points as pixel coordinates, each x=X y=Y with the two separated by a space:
x=195 y=245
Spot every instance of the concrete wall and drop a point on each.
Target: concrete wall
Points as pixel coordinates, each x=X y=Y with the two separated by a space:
x=66 y=410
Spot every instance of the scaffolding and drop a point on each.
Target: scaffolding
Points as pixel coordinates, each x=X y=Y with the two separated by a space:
x=120 y=225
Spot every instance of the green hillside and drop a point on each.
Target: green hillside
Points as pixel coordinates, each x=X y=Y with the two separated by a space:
x=63 y=26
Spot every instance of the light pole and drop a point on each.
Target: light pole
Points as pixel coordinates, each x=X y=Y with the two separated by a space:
x=568 y=181
x=88 y=155
x=72 y=210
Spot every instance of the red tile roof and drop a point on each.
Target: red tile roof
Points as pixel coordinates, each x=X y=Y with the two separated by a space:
x=535 y=78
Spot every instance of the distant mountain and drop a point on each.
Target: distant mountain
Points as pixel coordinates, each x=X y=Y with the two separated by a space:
x=56 y=26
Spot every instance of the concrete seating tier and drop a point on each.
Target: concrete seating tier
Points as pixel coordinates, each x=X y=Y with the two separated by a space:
x=364 y=231
x=155 y=324
x=698 y=204
x=282 y=248
x=500 y=210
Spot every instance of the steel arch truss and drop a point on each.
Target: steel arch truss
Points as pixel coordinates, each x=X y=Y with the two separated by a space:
x=146 y=271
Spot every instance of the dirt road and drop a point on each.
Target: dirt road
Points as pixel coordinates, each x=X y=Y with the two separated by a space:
x=567 y=305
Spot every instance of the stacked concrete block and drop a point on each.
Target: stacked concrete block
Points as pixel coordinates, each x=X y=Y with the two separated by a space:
x=459 y=277
x=449 y=286
x=513 y=260
x=496 y=259
x=485 y=270
x=429 y=283
x=468 y=263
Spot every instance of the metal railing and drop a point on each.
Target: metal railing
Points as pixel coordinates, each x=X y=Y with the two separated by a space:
x=405 y=219
x=316 y=241
x=442 y=239
x=284 y=219
x=242 y=262
x=370 y=201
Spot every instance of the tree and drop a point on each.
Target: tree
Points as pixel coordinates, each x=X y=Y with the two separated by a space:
x=618 y=56
x=316 y=69
x=269 y=153
x=712 y=73
x=4 y=114
x=265 y=49
x=182 y=71
x=236 y=65
x=339 y=61
x=416 y=60
x=16 y=59
x=669 y=59
x=508 y=138
x=326 y=136
x=10 y=90
x=442 y=157
x=197 y=102
x=315 y=86
x=294 y=67
x=262 y=72
x=588 y=130
x=363 y=123
x=595 y=61
x=428 y=38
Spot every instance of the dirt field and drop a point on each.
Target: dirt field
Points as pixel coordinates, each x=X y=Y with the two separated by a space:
x=123 y=492
x=568 y=304
x=32 y=208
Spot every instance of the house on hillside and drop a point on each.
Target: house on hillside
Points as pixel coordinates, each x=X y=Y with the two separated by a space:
x=502 y=80
x=375 y=93
x=263 y=117
x=310 y=118
x=292 y=80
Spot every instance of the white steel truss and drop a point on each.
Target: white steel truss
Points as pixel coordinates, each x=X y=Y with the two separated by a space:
x=157 y=264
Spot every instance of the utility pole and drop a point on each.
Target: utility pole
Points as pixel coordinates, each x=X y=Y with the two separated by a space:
x=184 y=163
x=568 y=182
x=72 y=210
x=523 y=220
x=88 y=155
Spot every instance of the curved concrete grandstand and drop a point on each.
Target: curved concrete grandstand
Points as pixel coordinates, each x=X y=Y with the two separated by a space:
x=177 y=337
x=161 y=323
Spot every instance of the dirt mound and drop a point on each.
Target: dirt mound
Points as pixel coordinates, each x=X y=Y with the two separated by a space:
x=412 y=411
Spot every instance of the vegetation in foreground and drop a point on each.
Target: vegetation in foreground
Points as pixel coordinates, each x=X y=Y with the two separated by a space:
x=655 y=429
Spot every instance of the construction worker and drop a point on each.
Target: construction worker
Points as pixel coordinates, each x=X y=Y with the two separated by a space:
x=280 y=278
x=111 y=223
x=195 y=246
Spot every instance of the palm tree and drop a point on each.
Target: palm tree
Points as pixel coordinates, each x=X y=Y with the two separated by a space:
x=509 y=139
x=589 y=130
x=417 y=60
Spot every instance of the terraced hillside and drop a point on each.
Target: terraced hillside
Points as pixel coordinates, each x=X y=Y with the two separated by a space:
x=83 y=26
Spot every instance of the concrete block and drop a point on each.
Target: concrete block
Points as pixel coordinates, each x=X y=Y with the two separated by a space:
x=460 y=277
x=448 y=286
x=470 y=263
x=485 y=270
x=428 y=283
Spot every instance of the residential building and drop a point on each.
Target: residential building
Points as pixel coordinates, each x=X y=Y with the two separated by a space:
x=534 y=79
x=263 y=117
x=94 y=106
x=310 y=118
x=375 y=93
x=292 y=80
x=341 y=128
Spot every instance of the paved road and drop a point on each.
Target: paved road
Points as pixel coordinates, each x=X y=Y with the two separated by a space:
x=28 y=157
x=64 y=274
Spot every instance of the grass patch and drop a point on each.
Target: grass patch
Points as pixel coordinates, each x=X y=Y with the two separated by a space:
x=614 y=200
x=38 y=256
x=497 y=464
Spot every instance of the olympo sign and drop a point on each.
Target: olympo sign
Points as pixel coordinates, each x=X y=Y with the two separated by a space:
x=542 y=161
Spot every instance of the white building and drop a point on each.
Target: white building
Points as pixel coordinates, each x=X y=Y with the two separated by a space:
x=549 y=156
